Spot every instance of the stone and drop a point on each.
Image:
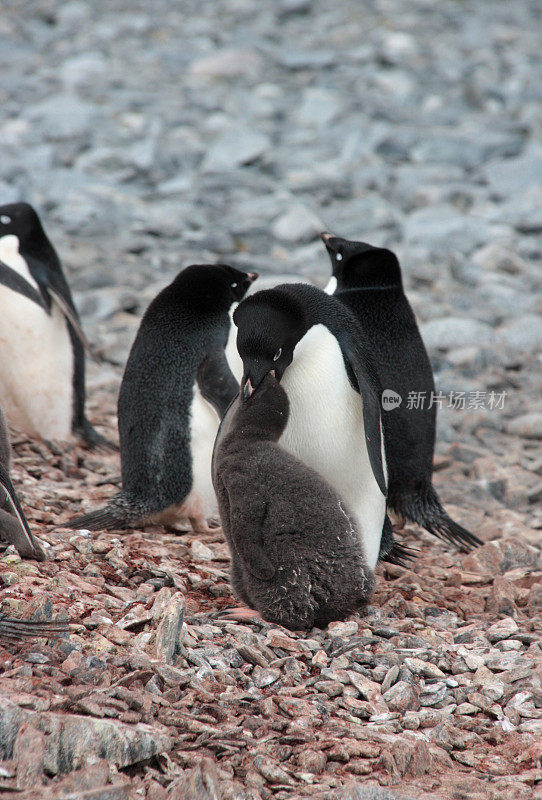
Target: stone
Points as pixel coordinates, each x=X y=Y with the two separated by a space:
x=449 y=333
x=313 y=761
x=297 y=224
x=402 y=697
x=234 y=148
x=527 y=425
x=72 y=741
x=62 y=116
x=503 y=629
x=229 y=63
x=200 y=551
x=516 y=175
x=170 y=631
x=522 y=335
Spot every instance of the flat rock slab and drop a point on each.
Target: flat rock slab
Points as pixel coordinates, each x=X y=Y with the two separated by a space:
x=72 y=741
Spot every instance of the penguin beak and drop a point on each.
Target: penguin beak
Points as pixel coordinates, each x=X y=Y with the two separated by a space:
x=330 y=242
x=252 y=276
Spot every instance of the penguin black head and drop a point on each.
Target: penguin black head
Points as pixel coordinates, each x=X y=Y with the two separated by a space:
x=270 y=323
x=358 y=264
x=217 y=285
x=20 y=220
x=265 y=410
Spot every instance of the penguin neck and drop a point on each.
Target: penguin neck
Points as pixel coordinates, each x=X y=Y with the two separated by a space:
x=39 y=248
x=264 y=426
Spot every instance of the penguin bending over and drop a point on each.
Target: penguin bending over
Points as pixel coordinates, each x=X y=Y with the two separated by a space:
x=297 y=558
x=316 y=349
x=14 y=528
x=42 y=374
x=368 y=281
x=167 y=424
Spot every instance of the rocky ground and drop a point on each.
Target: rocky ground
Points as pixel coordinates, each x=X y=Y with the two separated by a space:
x=151 y=138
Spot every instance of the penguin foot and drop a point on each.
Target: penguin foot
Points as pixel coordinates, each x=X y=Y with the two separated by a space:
x=199 y=524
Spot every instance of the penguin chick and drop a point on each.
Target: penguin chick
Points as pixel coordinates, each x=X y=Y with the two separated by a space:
x=166 y=427
x=296 y=556
x=14 y=528
x=368 y=281
x=42 y=374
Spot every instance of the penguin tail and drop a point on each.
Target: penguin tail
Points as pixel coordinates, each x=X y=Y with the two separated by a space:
x=426 y=510
x=401 y=555
x=120 y=512
x=90 y=438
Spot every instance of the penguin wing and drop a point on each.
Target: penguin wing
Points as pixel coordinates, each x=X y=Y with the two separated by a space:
x=216 y=382
x=72 y=318
x=364 y=383
x=13 y=525
x=11 y=278
x=247 y=518
x=55 y=289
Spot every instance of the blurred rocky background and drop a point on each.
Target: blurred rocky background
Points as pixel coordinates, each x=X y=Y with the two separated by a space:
x=153 y=135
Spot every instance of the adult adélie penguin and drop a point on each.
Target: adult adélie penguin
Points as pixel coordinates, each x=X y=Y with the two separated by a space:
x=368 y=281
x=314 y=346
x=42 y=374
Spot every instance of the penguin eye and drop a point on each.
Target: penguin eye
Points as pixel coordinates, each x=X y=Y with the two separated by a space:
x=5 y=220
x=277 y=354
x=339 y=257
x=233 y=285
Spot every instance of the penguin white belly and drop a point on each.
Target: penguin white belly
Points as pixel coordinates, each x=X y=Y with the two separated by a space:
x=232 y=356
x=331 y=285
x=36 y=367
x=326 y=431
x=203 y=429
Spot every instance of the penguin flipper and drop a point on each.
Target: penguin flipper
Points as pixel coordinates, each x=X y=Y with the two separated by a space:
x=216 y=382
x=10 y=277
x=245 y=533
x=364 y=383
x=73 y=320
x=13 y=525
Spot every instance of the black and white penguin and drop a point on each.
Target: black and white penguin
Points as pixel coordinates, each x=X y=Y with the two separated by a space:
x=14 y=528
x=42 y=374
x=175 y=386
x=368 y=281
x=316 y=349
x=297 y=558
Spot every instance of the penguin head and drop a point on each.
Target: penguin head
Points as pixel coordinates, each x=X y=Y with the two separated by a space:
x=213 y=286
x=235 y=281
x=358 y=264
x=265 y=410
x=20 y=220
x=270 y=324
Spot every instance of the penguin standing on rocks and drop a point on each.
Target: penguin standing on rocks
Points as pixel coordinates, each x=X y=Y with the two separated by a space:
x=167 y=423
x=42 y=373
x=297 y=558
x=13 y=525
x=314 y=345
x=368 y=281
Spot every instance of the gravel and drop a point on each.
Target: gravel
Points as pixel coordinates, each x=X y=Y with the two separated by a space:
x=149 y=139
